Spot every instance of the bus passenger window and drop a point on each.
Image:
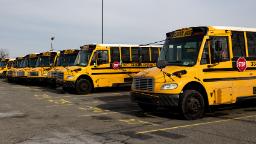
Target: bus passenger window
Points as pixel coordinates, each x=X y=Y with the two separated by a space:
x=125 y=51
x=115 y=54
x=102 y=57
x=219 y=49
x=238 y=44
x=205 y=55
x=145 y=55
x=135 y=54
x=154 y=54
x=251 y=38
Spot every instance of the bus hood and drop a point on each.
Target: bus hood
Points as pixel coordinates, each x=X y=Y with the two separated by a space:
x=168 y=74
x=40 y=69
x=72 y=68
x=57 y=68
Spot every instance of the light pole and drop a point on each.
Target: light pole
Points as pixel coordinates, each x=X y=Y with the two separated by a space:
x=102 y=40
x=52 y=38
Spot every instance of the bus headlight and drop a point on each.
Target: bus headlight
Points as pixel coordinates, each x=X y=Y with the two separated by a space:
x=70 y=77
x=169 y=86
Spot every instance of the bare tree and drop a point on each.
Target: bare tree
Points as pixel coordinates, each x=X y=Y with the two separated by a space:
x=4 y=53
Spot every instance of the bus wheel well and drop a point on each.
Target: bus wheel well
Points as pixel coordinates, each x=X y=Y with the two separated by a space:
x=198 y=87
x=85 y=77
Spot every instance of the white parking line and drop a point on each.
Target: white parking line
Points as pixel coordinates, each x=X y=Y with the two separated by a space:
x=108 y=113
x=195 y=124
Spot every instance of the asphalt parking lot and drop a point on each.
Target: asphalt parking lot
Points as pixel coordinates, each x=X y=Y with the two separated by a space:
x=34 y=114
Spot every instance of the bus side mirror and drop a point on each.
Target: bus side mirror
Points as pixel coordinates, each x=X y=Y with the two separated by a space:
x=161 y=64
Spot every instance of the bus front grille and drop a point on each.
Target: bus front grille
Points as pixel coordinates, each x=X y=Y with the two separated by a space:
x=59 y=75
x=9 y=73
x=52 y=74
x=144 y=84
x=21 y=73
x=33 y=73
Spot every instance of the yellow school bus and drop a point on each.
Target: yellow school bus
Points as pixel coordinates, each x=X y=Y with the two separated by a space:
x=200 y=67
x=107 y=65
x=11 y=66
x=27 y=63
x=43 y=64
x=3 y=67
x=18 y=66
x=65 y=58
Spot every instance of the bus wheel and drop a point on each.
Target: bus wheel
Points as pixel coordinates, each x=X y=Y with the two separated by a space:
x=192 y=105
x=147 y=107
x=83 y=86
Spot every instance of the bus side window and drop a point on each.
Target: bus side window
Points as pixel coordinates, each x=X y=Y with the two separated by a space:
x=219 y=49
x=205 y=56
x=125 y=52
x=238 y=44
x=102 y=57
x=135 y=54
x=154 y=54
x=251 y=38
x=115 y=54
x=145 y=55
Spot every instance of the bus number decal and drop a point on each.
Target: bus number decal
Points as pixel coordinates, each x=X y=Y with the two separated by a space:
x=253 y=64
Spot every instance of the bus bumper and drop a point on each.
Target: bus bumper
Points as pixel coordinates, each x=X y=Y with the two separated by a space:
x=162 y=100
x=69 y=84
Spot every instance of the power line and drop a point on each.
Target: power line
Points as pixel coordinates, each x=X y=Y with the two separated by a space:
x=102 y=41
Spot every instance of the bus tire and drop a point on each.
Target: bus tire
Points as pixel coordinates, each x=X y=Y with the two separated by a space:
x=192 y=105
x=147 y=107
x=83 y=86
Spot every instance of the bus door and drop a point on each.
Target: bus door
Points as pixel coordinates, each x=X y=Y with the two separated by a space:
x=217 y=70
x=101 y=71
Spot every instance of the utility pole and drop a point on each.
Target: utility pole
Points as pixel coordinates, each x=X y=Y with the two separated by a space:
x=52 y=38
x=102 y=40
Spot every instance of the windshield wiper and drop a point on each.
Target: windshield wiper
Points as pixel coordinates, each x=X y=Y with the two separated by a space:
x=174 y=62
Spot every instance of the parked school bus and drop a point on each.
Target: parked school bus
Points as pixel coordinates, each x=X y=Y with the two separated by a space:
x=107 y=65
x=26 y=64
x=200 y=67
x=3 y=67
x=18 y=65
x=22 y=64
x=44 y=63
x=65 y=58
x=11 y=66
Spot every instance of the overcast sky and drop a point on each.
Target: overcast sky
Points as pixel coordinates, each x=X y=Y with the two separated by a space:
x=27 y=25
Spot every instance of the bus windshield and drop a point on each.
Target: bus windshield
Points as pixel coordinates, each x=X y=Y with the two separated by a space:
x=11 y=64
x=66 y=59
x=2 y=64
x=181 y=51
x=44 y=61
x=24 y=63
x=83 y=57
x=32 y=62
x=19 y=63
